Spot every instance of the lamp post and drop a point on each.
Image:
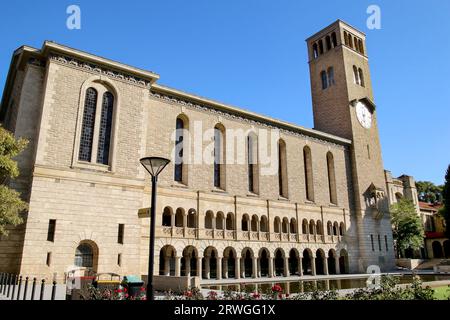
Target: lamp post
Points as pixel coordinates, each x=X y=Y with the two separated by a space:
x=154 y=166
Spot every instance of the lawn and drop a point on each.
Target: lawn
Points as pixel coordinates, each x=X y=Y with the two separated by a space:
x=442 y=293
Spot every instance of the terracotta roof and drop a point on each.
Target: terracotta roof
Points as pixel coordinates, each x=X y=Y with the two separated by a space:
x=430 y=206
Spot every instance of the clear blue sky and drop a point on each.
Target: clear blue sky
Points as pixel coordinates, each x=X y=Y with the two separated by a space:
x=252 y=54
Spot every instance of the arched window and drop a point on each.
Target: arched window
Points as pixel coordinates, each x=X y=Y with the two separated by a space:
x=191 y=223
x=341 y=229
x=87 y=129
x=315 y=51
x=320 y=47
x=355 y=75
x=84 y=256
x=350 y=41
x=179 y=218
x=331 y=178
x=305 y=226
x=104 y=139
x=178 y=174
x=307 y=164
x=329 y=228
x=330 y=76
x=361 y=77
x=361 y=46
x=335 y=229
x=293 y=226
x=264 y=227
x=219 y=156
x=312 y=227
x=346 y=38
x=333 y=40
x=209 y=220
x=219 y=221
x=355 y=42
x=252 y=152
x=282 y=169
x=277 y=225
x=245 y=223
x=323 y=77
x=285 y=225
x=328 y=43
x=254 y=225
x=167 y=217
x=319 y=229
x=229 y=222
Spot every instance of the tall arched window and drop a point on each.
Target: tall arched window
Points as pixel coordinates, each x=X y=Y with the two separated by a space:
x=253 y=172
x=355 y=75
x=361 y=77
x=328 y=42
x=315 y=51
x=307 y=164
x=219 y=156
x=178 y=174
x=361 y=46
x=346 y=38
x=331 y=178
x=87 y=129
x=84 y=256
x=282 y=169
x=330 y=76
x=350 y=41
x=320 y=47
x=334 y=39
x=104 y=139
x=323 y=77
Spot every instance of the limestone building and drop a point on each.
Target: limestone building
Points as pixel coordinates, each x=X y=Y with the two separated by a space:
x=322 y=210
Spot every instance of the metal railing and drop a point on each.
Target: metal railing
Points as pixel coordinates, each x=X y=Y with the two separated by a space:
x=16 y=287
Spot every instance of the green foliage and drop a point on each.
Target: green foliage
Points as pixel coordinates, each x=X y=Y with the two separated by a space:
x=407 y=227
x=446 y=198
x=10 y=203
x=428 y=191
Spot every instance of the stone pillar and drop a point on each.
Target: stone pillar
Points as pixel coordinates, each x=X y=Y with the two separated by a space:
x=177 y=266
x=237 y=269
x=199 y=267
x=270 y=267
x=187 y=264
x=313 y=265
x=336 y=262
x=286 y=267
x=207 y=266
x=185 y=220
x=242 y=268
x=255 y=268
x=300 y=267
x=325 y=266
x=166 y=266
x=219 y=268
x=225 y=268
x=172 y=220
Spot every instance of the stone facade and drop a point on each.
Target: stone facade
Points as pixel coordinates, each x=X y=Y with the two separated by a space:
x=201 y=229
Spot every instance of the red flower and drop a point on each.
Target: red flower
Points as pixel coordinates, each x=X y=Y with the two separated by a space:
x=119 y=291
x=126 y=295
x=277 y=288
x=142 y=289
x=256 y=295
x=124 y=289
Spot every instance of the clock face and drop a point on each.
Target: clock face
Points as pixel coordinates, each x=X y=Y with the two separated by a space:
x=364 y=115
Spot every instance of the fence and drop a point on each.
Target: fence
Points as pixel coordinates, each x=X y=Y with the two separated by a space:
x=18 y=287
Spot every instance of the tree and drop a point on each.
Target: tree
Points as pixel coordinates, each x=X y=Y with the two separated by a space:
x=428 y=191
x=11 y=205
x=446 y=198
x=407 y=226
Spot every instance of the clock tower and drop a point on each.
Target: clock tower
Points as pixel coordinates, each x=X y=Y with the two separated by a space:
x=343 y=105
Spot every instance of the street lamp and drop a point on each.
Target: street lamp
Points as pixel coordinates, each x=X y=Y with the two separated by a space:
x=154 y=166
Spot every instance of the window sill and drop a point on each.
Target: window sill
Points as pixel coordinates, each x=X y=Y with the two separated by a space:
x=92 y=166
x=280 y=198
x=252 y=195
x=177 y=184
x=218 y=190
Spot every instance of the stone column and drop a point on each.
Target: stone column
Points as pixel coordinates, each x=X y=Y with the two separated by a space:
x=172 y=220
x=255 y=268
x=313 y=265
x=199 y=267
x=166 y=266
x=336 y=262
x=219 y=268
x=270 y=267
x=300 y=267
x=177 y=266
x=286 y=267
x=225 y=268
x=242 y=267
x=187 y=264
x=237 y=269
x=185 y=221
x=325 y=266
x=207 y=266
